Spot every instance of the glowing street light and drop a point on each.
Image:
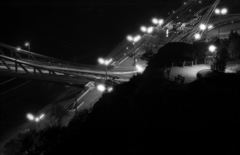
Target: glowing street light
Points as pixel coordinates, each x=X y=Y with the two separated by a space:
x=41 y=116
x=31 y=117
x=210 y=27
x=212 y=48
x=146 y=29
x=197 y=36
x=150 y=30
x=27 y=44
x=220 y=12
x=18 y=49
x=202 y=27
x=104 y=88
x=110 y=89
x=143 y=29
x=157 y=21
x=101 y=87
x=134 y=40
x=139 y=68
x=106 y=63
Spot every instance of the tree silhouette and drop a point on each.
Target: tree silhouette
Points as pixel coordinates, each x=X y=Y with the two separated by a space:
x=12 y=147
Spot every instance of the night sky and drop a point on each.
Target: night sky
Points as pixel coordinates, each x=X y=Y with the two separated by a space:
x=87 y=29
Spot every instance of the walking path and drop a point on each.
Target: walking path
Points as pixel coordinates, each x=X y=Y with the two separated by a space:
x=190 y=72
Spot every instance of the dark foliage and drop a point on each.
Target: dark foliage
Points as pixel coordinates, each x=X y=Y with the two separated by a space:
x=152 y=115
x=147 y=55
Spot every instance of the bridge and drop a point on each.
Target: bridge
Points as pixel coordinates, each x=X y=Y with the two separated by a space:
x=27 y=64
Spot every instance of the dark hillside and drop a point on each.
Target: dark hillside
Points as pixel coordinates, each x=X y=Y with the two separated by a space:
x=150 y=114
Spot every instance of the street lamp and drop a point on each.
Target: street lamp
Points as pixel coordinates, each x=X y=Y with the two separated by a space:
x=212 y=49
x=220 y=12
x=197 y=36
x=31 y=117
x=157 y=21
x=202 y=27
x=27 y=44
x=106 y=63
x=210 y=27
x=18 y=49
x=139 y=68
x=101 y=87
x=146 y=30
x=134 y=39
x=104 y=88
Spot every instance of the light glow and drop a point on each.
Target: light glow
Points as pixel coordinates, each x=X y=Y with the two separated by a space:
x=139 y=68
x=104 y=62
x=129 y=38
x=42 y=116
x=210 y=27
x=150 y=30
x=110 y=89
x=197 y=36
x=37 y=119
x=101 y=87
x=143 y=29
x=160 y=21
x=137 y=38
x=101 y=60
x=134 y=39
x=212 y=48
x=224 y=11
x=18 y=49
x=202 y=27
x=155 y=21
x=217 y=11
x=30 y=116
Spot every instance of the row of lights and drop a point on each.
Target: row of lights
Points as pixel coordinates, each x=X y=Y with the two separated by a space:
x=133 y=40
x=203 y=27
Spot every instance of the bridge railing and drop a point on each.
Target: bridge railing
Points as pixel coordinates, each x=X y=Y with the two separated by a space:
x=24 y=54
x=14 y=66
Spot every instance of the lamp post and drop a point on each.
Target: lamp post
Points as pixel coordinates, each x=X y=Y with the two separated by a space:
x=106 y=63
x=146 y=30
x=220 y=12
x=134 y=39
x=157 y=21
x=31 y=117
x=212 y=49
x=27 y=44
x=104 y=88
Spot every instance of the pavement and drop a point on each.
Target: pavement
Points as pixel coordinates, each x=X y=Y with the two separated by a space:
x=190 y=72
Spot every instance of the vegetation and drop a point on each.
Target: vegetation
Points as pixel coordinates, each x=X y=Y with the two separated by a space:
x=149 y=114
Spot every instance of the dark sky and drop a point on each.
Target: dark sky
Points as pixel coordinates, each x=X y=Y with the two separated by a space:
x=88 y=28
